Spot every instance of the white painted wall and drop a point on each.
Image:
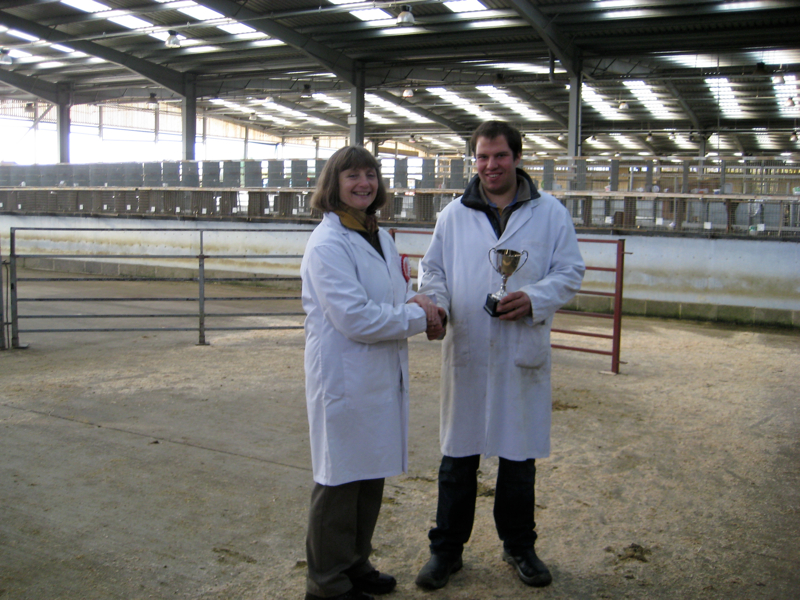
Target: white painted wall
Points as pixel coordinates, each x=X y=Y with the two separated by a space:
x=752 y=273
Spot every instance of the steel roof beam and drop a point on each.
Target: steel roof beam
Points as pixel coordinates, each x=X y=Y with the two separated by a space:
x=567 y=53
x=167 y=78
x=336 y=62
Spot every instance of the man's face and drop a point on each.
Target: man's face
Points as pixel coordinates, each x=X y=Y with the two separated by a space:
x=496 y=165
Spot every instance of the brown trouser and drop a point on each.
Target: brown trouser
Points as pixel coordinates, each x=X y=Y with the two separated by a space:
x=340 y=525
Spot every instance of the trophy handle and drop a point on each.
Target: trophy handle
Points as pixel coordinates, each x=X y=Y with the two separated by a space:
x=491 y=262
x=525 y=253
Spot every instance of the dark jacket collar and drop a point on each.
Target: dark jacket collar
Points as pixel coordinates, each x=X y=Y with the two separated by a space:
x=472 y=199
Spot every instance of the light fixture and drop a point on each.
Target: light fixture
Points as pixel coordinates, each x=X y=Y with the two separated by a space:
x=777 y=79
x=406 y=17
x=560 y=137
x=306 y=93
x=412 y=139
x=173 y=41
x=408 y=93
x=793 y=137
x=499 y=80
x=672 y=136
x=30 y=108
x=649 y=137
x=761 y=69
x=788 y=102
x=253 y=116
x=152 y=99
x=590 y=138
x=623 y=105
x=5 y=57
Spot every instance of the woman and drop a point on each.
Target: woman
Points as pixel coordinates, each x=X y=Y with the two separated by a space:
x=359 y=314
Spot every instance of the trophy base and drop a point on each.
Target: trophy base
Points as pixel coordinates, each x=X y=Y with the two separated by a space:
x=491 y=305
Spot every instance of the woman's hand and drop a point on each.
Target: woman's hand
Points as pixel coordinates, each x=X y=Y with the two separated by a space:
x=429 y=306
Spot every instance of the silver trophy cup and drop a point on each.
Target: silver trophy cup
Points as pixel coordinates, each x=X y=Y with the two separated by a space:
x=505 y=262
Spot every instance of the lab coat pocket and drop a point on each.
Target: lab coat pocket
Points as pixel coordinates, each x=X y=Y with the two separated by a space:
x=533 y=346
x=371 y=376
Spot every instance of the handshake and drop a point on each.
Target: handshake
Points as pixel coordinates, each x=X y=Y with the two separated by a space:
x=437 y=317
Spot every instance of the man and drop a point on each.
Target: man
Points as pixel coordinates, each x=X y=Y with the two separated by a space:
x=496 y=370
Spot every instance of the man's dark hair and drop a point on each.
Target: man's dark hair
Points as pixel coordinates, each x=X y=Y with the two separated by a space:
x=495 y=129
x=326 y=197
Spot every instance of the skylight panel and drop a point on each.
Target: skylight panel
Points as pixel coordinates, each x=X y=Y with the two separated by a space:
x=201 y=13
x=524 y=68
x=726 y=99
x=23 y=36
x=371 y=14
x=459 y=6
x=89 y=6
x=202 y=49
x=335 y=102
x=398 y=110
x=644 y=93
x=764 y=140
x=462 y=103
x=50 y=64
x=542 y=142
x=268 y=42
x=509 y=101
x=130 y=22
x=786 y=95
x=236 y=28
x=600 y=104
x=63 y=49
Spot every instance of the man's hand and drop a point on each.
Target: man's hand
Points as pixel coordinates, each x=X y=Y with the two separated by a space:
x=438 y=328
x=514 y=306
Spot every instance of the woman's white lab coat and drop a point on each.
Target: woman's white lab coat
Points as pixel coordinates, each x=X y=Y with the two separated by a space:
x=356 y=356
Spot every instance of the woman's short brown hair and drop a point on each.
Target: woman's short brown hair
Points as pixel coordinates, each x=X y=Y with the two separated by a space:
x=326 y=197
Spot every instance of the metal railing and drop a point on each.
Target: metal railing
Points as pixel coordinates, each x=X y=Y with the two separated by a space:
x=616 y=334
x=616 y=296
x=201 y=299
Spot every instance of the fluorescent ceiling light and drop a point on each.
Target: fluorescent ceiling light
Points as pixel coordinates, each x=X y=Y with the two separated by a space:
x=89 y=6
x=63 y=49
x=459 y=6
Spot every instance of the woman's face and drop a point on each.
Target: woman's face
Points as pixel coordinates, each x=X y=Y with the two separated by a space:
x=358 y=187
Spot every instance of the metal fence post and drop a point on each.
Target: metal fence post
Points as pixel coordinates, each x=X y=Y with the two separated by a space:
x=2 y=305
x=12 y=265
x=617 y=332
x=201 y=299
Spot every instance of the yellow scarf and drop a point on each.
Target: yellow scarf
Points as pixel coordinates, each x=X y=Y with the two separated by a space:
x=357 y=220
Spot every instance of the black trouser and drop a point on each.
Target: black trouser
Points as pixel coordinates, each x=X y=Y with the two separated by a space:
x=341 y=521
x=513 y=504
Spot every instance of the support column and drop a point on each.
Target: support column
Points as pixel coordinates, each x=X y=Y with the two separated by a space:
x=574 y=133
x=64 y=91
x=189 y=117
x=356 y=118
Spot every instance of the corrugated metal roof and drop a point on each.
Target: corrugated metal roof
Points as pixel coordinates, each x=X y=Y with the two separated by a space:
x=243 y=52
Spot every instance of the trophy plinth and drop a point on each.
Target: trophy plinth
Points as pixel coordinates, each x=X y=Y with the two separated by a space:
x=506 y=263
